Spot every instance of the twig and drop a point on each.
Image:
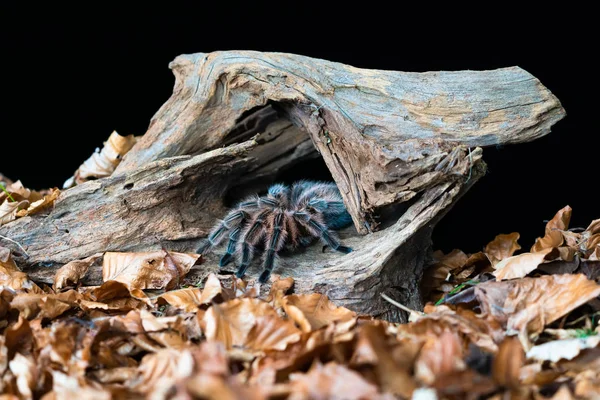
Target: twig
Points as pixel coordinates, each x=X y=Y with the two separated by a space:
x=400 y=306
x=17 y=243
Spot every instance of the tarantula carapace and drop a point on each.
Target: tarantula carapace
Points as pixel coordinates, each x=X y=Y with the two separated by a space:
x=287 y=217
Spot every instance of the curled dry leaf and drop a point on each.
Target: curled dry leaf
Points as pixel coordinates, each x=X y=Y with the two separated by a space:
x=527 y=305
x=25 y=370
x=212 y=289
x=74 y=387
x=554 y=228
x=565 y=349
x=272 y=333
x=314 y=311
x=231 y=322
x=71 y=273
x=162 y=370
x=484 y=334
x=103 y=162
x=437 y=273
x=188 y=299
x=12 y=277
x=506 y=368
x=519 y=266
x=390 y=360
x=146 y=270
x=9 y=210
x=331 y=381
x=19 y=192
x=41 y=204
x=44 y=305
x=503 y=246
x=440 y=355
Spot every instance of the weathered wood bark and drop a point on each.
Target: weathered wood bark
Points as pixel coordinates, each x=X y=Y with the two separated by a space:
x=402 y=147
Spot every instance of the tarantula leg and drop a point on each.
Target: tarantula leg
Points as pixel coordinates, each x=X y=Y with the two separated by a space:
x=250 y=237
x=233 y=219
x=274 y=243
x=233 y=238
x=322 y=232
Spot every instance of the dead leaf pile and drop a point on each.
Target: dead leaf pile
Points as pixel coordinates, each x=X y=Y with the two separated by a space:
x=504 y=326
x=17 y=201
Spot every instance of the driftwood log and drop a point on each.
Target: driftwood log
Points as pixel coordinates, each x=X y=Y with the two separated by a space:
x=402 y=147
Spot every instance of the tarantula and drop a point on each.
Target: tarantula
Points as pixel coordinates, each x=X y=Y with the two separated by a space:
x=287 y=217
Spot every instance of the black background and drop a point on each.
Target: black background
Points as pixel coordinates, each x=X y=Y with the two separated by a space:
x=70 y=76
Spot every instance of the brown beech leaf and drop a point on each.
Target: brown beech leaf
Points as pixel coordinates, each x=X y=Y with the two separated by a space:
x=188 y=299
x=9 y=210
x=506 y=368
x=212 y=288
x=437 y=273
x=103 y=162
x=440 y=355
x=519 y=266
x=231 y=322
x=26 y=372
x=44 y=305
x=554 y=236
x=331 y=381
x=503 y=246
x=390 y=360
x=74 y=387
x=12 y=277
x=164 y=369
x=314 y=311
x=528 y=304
x=484 y=334
x=164 y=330
x=72 y=272
x=271 y=332
x=146 y=270
x=41 y=204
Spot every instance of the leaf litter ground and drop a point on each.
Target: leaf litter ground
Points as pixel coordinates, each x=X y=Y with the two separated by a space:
x=497 y=325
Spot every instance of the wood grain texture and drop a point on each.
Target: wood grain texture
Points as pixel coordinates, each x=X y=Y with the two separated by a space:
x=378 y=131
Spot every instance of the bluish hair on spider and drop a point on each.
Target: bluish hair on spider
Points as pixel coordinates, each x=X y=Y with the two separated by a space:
x=287 y=217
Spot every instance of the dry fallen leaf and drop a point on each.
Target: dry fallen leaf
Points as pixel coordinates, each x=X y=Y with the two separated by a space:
x=526 y=305
x=506 y=368
x=440 y=355
x=554 y=236
x=502 y=247
x=519 y=266
x=146 y=270
x=565 y=349
x=272 y=333
x=231 y=322
x=12 y=277
x=331 y=381
x=41 y=204
x=484 y=334
x=9 y=210
x=103 y=162
x=71 y=273
x=25 y=370
x=188 y=299
x=314 y=311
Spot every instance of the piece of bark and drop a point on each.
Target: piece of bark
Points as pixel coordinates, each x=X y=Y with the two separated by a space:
x=401 y=147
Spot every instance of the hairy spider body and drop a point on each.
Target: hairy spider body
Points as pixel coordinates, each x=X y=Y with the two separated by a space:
x=287 y=217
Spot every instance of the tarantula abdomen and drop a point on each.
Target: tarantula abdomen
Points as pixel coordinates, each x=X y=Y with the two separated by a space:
x=287 y=217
